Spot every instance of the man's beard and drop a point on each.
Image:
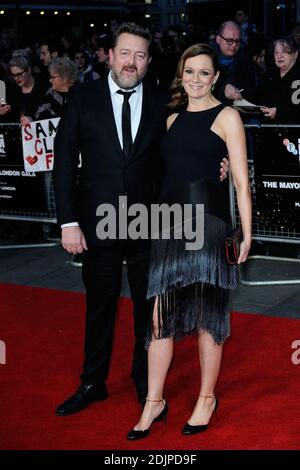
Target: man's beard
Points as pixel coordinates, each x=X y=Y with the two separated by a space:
x=127 y=82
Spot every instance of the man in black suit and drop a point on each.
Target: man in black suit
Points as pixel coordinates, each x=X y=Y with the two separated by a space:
x=112 y=166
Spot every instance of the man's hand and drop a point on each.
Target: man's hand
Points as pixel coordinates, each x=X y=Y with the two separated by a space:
x=24 y=120
x=224 y=168
x=73 y=240
x=269 y=112
x=232 y=93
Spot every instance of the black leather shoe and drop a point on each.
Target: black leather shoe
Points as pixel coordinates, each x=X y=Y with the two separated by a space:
x=189 y=430
x=134 y=435
x=85 y=394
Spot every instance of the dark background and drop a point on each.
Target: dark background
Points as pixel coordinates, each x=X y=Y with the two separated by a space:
x=272 y=17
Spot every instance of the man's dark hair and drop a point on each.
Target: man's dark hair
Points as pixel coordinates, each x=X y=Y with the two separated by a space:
x=105 y=41
x=54 y=45
x=131 y=28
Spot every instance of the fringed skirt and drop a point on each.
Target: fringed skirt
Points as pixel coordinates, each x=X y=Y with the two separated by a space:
x=192 y=287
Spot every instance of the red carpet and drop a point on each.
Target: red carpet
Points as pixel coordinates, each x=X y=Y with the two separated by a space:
x=259 y=387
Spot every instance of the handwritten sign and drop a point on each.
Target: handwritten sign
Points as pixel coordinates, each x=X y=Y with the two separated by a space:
x=38 y=142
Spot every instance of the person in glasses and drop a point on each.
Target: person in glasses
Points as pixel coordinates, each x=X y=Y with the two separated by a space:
x=63 y=76
x=23 y=98
x=237 y=78
x=26 y=91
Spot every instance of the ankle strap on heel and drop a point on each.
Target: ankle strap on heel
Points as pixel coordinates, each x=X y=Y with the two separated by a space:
x=155 y=401
x=205 y=396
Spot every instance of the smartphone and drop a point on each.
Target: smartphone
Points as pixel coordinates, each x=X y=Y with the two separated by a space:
x=2 y=92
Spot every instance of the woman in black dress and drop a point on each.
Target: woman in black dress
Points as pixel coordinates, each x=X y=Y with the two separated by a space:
x=191 y=288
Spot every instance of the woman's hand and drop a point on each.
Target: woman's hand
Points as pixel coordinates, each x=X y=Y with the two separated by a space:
x=269 y=112
x=244 y=251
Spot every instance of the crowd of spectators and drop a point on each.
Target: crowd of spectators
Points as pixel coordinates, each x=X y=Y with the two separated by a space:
x=251 y=67
x=39 y=77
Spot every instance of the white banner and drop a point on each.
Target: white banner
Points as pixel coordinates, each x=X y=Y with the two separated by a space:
x=38 y=142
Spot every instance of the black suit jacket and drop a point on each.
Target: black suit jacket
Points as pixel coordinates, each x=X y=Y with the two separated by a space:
x=88 y=127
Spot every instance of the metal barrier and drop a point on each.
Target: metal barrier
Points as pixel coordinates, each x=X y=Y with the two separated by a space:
x=38 y=189
x=23 y=196
x=261 y=232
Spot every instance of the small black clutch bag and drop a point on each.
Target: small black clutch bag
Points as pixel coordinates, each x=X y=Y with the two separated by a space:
x=232 y=245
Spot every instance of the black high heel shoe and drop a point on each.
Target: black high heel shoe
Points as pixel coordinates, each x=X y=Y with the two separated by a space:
x=189 y=430
x=133 y=435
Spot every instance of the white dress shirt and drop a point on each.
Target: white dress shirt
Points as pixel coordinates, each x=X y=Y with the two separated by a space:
x=135 y=102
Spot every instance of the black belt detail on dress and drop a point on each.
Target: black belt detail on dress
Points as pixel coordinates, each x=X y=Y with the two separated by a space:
x=205 y=192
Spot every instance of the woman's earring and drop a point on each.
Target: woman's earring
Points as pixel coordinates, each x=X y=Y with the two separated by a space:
x=213 y=86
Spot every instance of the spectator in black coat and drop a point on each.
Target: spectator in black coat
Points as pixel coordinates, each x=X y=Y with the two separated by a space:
x=28 y=91
x=237 y=77
x=279 y=89
x=63 y=75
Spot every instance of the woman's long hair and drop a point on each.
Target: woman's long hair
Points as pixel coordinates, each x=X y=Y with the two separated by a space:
x=179 y=96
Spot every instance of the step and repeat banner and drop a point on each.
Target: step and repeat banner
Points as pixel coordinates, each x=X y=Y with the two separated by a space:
x=276 y=156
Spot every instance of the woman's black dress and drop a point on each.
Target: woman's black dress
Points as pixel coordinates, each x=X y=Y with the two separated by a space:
x=193 y=286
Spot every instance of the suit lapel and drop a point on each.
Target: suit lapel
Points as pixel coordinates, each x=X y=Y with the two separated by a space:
x=144 y=129
x=108 y=119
